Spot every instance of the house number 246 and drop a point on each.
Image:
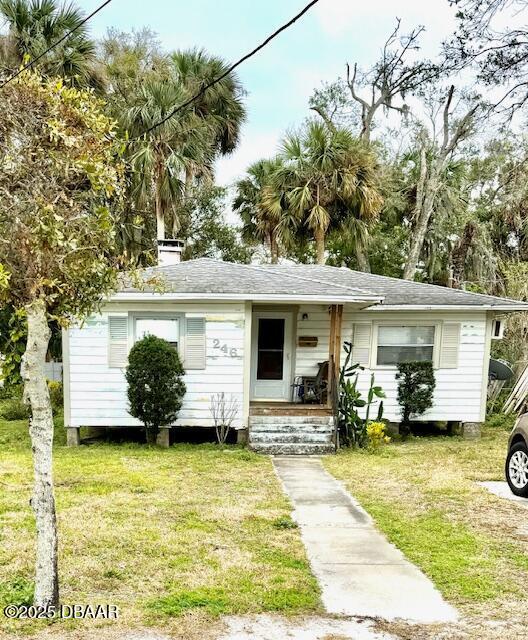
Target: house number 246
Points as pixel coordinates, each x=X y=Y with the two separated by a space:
x=231 y=352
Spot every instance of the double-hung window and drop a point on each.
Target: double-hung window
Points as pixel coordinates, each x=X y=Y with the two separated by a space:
x=396 y=343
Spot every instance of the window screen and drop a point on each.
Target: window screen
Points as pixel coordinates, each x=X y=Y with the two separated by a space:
x=404 y=344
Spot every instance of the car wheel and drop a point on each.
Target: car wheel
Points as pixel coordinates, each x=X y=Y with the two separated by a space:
x=517 y=469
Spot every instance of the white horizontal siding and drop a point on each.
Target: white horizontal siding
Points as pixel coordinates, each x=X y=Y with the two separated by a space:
x=458 y=393
x=316 y=324
x=98 y=393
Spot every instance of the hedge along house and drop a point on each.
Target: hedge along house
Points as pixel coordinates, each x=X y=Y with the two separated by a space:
x=252 y=331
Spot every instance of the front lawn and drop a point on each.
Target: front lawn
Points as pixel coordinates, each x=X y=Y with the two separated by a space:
x=174 y=537
x=423 y=495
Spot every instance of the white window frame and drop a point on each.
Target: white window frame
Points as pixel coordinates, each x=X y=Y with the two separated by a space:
x=160 y=315
x=395 y=323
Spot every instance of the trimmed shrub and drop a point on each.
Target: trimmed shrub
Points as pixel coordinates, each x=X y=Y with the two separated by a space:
x=416 y=384
x=155 y=385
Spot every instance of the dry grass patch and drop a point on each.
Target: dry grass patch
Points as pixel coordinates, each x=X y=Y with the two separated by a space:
x=174 y=537
x=423 y=495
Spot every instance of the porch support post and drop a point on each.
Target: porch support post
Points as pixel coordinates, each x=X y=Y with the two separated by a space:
x=334 y=351
x=248 y=318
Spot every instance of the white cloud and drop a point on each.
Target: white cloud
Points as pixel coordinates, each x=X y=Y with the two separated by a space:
x=253 y=146
x=339 y=17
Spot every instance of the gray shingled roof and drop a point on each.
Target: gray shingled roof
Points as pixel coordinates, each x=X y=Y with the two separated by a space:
x=395 y=292
x=205 y=276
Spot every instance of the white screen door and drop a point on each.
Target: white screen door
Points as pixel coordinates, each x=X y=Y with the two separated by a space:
x=271 y=356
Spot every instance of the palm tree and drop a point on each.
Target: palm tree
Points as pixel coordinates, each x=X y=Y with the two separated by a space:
x=160 y=158
x=331 y=183
x=170 y=159
x=263 y=209
x=221 y=106
x=33 y=25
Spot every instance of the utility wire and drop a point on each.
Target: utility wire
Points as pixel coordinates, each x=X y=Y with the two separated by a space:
x=226 y=73
x=31 y=63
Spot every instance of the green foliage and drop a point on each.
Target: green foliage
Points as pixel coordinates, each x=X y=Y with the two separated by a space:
x=324 y=180
x=205 y=232
x=353 y=428
x=155 y=385
x=14 y=409
x=213 y=600
x=12 y=342
x=56 y=395
x=17 y=591
x=33 y=26
x=416 y=384
x=285 y=522
x=501 y=421
x=57 y=139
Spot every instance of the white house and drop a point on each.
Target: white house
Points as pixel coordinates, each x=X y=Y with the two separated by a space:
x=254 y=330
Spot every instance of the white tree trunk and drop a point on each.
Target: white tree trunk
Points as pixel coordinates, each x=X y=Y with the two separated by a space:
x=428 y=186
x=36 y=394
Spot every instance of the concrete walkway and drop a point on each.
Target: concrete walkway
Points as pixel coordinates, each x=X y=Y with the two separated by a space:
x=502 y=490
x=360 y=573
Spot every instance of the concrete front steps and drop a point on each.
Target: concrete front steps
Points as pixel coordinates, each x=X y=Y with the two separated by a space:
x=291 y=435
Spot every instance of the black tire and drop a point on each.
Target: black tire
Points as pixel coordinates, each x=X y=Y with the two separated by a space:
x=516 y=460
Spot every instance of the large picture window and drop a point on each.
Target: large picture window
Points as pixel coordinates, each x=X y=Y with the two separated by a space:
x=404 y=344
x=166 y=328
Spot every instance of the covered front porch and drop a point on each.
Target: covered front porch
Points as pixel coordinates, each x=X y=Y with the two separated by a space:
x=292 y=377
x=294 y=355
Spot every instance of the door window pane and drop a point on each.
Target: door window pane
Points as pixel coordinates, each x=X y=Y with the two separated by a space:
x=270 y=348
x=404 y=344
x=166 y=328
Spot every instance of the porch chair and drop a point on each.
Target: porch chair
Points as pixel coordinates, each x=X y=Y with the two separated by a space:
x=312 y=389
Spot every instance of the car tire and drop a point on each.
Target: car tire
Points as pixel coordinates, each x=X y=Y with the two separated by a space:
x=517 y=469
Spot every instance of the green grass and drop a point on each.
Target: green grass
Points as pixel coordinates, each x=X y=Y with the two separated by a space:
x=423 y=495
x=174 y=537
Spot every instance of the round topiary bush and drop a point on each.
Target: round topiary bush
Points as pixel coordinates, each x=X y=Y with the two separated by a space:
x=155 y=385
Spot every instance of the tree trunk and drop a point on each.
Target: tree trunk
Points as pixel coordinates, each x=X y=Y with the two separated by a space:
x=363 y=260
x=151 y=434
x=36 y=394
x=274 y=249
x=412 y=258
x=460 y=253
x=160 y=214
x=426 y=193
x=319 y=236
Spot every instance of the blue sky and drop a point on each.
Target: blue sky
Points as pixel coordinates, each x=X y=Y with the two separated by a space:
x=281 y=78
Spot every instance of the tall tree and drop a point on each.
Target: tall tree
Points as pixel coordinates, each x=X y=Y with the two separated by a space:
x=331 y=182
x=205 y=231
x=172 y=159
x=59 y=176
x=263 y=217
x=161 y=157
x=435 y=154
x=386 y=85
x=222 y=105
x=34 y=25
x=498 y=52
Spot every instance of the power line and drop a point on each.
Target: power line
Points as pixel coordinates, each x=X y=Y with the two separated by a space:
x=55 y=44
x=229 y=70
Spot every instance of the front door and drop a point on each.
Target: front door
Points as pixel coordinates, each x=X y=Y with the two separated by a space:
x=271 y=355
